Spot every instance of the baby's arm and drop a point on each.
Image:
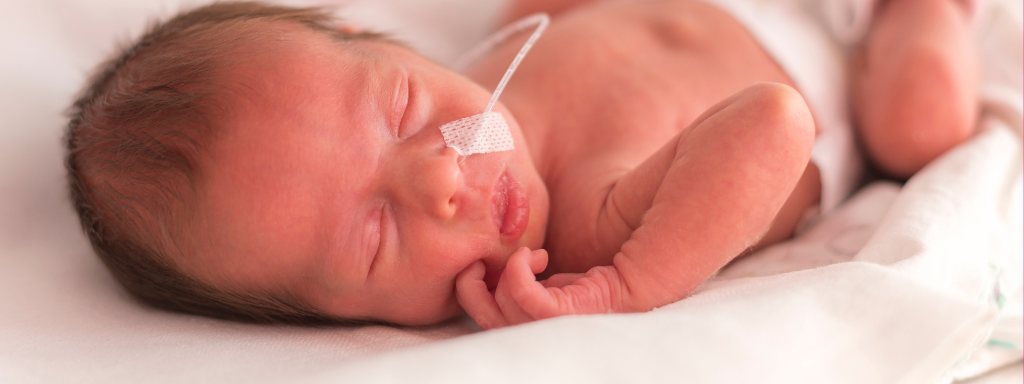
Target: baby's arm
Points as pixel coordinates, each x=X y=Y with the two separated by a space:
x=717 y=187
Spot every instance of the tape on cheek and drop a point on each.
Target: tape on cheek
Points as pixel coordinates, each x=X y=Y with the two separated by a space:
x=482 y=133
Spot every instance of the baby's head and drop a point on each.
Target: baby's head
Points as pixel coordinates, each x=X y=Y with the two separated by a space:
x=254 y=162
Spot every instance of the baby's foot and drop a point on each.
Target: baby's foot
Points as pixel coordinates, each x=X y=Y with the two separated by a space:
x=914 y=83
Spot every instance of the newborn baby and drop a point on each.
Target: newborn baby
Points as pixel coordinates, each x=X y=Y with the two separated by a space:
x=257 y=162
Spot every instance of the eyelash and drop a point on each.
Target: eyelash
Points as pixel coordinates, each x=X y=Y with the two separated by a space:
x=401 y=106
x=379 y=223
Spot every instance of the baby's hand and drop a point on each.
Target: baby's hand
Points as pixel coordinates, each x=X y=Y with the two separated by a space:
x=520 y=298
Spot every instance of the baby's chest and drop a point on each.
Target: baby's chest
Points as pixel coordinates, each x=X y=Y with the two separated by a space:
x=627 y=83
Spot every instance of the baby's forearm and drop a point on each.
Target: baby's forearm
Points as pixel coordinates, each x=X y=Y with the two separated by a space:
x=729 y=175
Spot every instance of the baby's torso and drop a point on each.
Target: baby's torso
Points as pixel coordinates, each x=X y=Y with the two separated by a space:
x=612 y=83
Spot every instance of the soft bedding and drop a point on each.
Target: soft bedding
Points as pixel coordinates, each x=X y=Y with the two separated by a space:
x=915 y=283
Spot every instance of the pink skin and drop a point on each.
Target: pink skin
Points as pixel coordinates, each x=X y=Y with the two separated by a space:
x=722 y=181
x=916 y=79
x=311 y=177
x=310 y=164
x=915 y=99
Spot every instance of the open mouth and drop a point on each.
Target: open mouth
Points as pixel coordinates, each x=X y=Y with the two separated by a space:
x=510 y=208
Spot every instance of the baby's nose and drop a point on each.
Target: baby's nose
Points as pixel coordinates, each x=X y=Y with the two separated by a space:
x=435 y=180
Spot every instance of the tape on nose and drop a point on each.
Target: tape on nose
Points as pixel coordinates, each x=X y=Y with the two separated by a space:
x=482 y=133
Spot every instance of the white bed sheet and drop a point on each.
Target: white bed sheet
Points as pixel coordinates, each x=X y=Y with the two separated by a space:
x=892 y=288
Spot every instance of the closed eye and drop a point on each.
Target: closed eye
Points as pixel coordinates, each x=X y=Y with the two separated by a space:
x=373 y=241
x=399 y=104
x=384 y=235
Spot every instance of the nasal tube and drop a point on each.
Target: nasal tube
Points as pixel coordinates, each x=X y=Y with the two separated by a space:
x=488 y=132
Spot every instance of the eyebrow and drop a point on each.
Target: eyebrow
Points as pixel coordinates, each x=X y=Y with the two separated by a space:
x=342 y=37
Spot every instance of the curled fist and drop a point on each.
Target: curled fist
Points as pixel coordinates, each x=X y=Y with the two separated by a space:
x=520 y=298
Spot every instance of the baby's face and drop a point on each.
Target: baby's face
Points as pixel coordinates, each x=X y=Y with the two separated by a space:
x=332 y=181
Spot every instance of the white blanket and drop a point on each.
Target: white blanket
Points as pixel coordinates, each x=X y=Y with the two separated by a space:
x=895 y=286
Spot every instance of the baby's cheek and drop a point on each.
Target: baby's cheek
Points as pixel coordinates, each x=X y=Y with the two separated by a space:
x=432 y=288
x=420 y=304
x=443 y=306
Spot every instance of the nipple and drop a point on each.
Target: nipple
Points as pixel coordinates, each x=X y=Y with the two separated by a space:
x=488 y=132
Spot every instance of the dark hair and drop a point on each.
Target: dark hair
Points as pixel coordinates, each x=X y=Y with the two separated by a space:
x=133 y=142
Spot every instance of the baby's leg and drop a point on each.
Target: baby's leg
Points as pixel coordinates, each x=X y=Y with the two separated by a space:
x=915 y=83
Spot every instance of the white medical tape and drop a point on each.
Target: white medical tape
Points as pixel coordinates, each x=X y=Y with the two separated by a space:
x=488 y=132
x=483 y=133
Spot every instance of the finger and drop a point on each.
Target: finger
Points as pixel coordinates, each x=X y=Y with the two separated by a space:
x=476 y=300
x=538 y=261
x=521 y=262
x=561 y=280
x=597 y=291
x=531 y=298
